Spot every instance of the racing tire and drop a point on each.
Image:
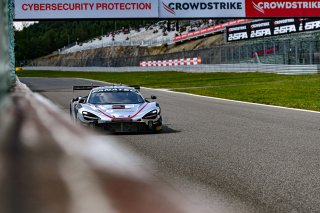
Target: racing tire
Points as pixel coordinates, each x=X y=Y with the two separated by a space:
x=158 y=129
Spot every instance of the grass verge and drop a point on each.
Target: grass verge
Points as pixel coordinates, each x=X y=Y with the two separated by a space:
x=296 y=91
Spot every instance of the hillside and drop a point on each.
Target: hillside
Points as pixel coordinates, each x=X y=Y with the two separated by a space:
x=46 y=37
x=72 y=59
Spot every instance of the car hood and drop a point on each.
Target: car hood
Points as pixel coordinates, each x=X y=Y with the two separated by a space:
x=120 y=110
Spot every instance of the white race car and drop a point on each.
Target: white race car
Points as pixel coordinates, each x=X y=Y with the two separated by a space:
x=116 y=108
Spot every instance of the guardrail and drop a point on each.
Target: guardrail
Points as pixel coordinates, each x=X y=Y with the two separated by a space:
x=269 y=68
x=47 y=164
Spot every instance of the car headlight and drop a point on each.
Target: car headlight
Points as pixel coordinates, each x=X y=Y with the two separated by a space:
x=151 y=115
x=89 y=116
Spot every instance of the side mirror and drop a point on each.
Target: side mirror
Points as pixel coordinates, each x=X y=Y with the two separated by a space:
x=153 y=97
x=79 y=99
x=82 y=100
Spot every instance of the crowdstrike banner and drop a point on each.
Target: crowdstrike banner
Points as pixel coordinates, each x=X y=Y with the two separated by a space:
x=201 y=8
x=72 y=9
x=287 y=8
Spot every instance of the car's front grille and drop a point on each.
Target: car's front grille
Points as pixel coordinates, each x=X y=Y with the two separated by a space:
x=126 y=126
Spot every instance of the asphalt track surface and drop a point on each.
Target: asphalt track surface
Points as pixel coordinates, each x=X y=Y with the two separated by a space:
x=225 y=156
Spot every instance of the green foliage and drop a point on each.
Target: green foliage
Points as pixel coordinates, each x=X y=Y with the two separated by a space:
x=46 y=37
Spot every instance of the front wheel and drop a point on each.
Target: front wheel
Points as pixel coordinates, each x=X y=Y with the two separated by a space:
x=158 y=125
x=158 y=129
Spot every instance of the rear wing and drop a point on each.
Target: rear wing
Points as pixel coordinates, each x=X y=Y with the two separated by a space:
x=135 y=86
x=93 y=86
x=84 y=87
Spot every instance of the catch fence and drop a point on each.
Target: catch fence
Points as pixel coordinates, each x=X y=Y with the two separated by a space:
x=289 y=52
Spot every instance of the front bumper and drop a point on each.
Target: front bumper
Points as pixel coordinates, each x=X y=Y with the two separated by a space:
x=129 y=125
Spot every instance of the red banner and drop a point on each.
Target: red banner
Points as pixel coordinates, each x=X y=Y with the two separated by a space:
x=209 y=29
x=286 y=8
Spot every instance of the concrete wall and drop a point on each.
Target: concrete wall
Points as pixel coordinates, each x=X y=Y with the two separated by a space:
x=4 y=56
x=270 y=68
x=49 y=164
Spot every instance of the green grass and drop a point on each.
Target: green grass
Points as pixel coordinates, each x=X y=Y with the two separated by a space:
x=297 y=91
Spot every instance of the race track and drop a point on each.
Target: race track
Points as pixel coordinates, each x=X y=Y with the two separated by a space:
x=232 y=157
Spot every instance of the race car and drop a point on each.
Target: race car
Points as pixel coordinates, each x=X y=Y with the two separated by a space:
x=117 y=108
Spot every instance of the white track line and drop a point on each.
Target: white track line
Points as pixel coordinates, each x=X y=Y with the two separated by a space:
x=234 y=101
x=220 y=99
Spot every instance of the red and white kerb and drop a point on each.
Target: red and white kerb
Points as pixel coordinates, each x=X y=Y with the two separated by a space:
x=171 y=62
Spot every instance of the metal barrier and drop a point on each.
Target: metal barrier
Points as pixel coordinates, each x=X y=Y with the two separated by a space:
x=270 y=68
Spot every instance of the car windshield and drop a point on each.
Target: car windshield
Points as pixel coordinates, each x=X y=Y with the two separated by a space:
x=115 y=97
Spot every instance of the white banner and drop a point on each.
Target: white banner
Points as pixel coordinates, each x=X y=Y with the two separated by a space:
x=201 y=8
x=73 y=9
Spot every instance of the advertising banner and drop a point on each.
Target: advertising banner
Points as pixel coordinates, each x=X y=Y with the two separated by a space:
x=110 y=9
x=211 y=29
x=286 y=8
x=271 y=28
x=72 y=9
x=201 y=8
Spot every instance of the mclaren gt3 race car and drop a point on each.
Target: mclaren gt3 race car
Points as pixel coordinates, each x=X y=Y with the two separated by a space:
x=116 y=108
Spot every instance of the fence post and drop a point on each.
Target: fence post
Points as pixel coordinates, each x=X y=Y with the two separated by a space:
x=310 y=52
x=274 y=53
x=296 y=52
x=247 y=53
x=220 y=54
x=232 y=53
x=285 y=52
x=264 y=50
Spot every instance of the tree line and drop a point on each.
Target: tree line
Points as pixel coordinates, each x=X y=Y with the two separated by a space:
x=45 y=37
